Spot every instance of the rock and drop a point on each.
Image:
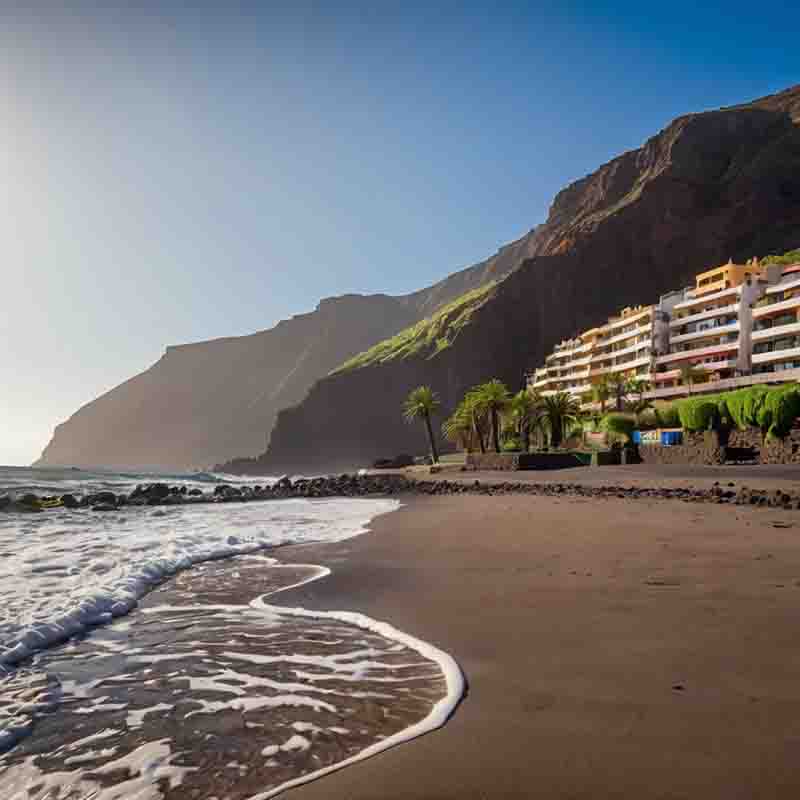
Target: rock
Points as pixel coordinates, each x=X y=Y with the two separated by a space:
x=104 y=507
x=155 y=491
x=69 y=501
x=398 y=462
x=102 y=498
x=195 y=492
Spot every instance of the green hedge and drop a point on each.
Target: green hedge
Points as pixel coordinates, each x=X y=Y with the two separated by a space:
x=667 y=415
x=698 y=413
x=772 y=409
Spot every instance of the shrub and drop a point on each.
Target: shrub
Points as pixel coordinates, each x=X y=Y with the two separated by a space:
x=648 y=420
x=743 y=405
x=667 y=415
x=618 y=425
x=511 y=445
x=779 y=409
x=698 y=413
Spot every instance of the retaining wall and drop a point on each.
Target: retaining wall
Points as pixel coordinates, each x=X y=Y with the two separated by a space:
x=518 y=461
x=697 y=448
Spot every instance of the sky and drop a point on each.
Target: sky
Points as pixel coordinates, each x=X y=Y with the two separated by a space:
x=172 y=172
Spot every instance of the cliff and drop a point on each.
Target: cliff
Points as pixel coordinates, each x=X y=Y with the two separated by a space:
x=207 y=402
x=709 y=187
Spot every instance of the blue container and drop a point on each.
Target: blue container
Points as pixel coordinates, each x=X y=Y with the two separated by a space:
x=671 y=437
x=637 y=437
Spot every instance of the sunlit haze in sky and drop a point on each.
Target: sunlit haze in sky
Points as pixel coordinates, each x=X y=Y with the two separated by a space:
x=170 y=175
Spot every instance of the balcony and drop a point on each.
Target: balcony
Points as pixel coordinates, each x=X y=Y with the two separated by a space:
x=634 y=348
x=731 y=308
x=690 y=355
x=696 y=301
x=620 y=337
x=709 y=366
x=726 y=383
x=774 y=308
x=629 y=320
x=778 y=330
x=715 y=330
x=782 y=287
x=624 y=367
x=788 y=353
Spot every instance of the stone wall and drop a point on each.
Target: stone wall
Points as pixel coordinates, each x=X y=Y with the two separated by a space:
x=697 y=448
x=782 y=451
x=517 y=461
x=706 y=448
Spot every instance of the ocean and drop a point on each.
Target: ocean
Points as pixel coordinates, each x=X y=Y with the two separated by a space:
x=141 y=655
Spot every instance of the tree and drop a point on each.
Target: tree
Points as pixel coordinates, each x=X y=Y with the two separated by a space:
x=421 y=403
x=690 y=373
x=477 y=413
x=458 y=427
x=618 y=385
x=637 y=407
x=601 y=393
x=638 y=386
x=494 y=398
x=559 y=411
x=524 y=407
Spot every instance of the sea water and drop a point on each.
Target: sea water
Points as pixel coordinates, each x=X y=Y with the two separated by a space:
x=141 y=654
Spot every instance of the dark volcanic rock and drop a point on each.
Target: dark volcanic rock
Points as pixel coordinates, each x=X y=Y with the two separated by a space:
x=711 y=186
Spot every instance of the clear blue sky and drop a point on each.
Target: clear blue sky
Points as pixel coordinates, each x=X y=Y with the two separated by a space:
x=169 y=175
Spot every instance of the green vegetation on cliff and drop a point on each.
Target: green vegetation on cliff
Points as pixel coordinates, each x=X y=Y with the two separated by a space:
x=792 y=257
x=428 y=337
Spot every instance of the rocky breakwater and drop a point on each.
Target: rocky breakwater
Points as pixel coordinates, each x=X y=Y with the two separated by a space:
x=366 y=485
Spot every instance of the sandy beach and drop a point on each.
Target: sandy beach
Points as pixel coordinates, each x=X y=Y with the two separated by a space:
x=613 y=648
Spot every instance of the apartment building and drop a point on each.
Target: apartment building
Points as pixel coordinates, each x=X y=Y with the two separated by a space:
x=624 y=345
x=739 y=324
x=711 y=327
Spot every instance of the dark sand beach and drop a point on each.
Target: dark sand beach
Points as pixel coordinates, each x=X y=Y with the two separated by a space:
x=613 y=648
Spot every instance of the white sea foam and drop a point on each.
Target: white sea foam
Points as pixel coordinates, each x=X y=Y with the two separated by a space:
x=437 y=716
x=62 y=572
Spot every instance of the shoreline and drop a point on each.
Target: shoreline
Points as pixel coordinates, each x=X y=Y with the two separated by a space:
x=611 y=648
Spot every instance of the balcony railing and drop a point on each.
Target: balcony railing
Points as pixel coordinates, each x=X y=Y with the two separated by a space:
x=714 y=330
x=688 y=355
x=776 y=331
x=678 y=322
x=725 y=383
x=777 y=355
x=772 y=308
x=695 y=301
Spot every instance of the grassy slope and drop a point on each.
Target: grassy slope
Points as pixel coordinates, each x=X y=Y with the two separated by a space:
x=428 y=337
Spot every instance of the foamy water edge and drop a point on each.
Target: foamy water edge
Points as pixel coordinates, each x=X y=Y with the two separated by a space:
x=438 y=715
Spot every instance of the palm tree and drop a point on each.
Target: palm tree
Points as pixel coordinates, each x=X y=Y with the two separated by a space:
x=477 y=413
x=421 y=403
x=458 y=427
x=524 y=408
x=637 y=407
x=638 y=386
x=560 y=410
x=494 y=398
x=601 y=393
x=618 y=385
x=690 y=373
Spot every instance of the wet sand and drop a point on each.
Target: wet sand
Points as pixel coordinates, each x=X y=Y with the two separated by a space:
x=617 y=649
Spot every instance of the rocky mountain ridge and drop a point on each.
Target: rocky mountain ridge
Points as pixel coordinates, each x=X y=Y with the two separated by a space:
x=709 y=187
x=207 y=402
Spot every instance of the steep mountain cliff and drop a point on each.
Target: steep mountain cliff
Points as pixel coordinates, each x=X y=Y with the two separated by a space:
x=206 y=402
x=709 y=187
